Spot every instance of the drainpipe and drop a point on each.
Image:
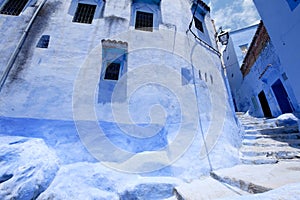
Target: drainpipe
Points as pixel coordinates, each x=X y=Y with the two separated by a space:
x=14 y=55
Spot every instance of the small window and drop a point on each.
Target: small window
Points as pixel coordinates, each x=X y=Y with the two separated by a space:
x=144 y=21
x=13 y=7
x=84 y=13
x=198 y=24
x=112 y=71
x=200 y=77
x=244 y=48
x=284 y=76
x=43 y=42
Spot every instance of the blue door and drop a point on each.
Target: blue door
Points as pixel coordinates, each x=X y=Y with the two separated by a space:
x=282 y=97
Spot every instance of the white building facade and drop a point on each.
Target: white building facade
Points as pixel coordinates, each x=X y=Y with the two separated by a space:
x=233 y=56
x=96 y=70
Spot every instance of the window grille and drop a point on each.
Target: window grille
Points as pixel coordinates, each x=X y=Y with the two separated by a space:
x=112 y=71
x=198 y=24
x=144 y=21
x=13 y=7
x=84 y=13
x=44 y=41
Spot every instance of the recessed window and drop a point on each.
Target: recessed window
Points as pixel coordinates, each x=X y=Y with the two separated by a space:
x=244 y=48
x=43 y=42
x=200 y=77
x=112 y=71
x=13 y=7
x=284 y=76
x=84 y=13
x=144 y=21
x=293 y=4
x=198 y=24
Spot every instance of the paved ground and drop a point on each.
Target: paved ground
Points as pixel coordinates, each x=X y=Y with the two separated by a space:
x=256 y=177
x=284 y=177
x=206 y=188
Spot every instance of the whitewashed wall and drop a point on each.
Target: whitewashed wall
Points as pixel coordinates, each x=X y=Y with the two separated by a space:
x=61 y=82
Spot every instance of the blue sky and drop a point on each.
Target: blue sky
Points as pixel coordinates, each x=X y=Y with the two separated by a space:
x=233 y=14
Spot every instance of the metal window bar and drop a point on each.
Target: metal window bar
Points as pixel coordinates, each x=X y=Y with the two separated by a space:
x=84 y=13
x=13 y=7
x=44 y=41
x=144 y=21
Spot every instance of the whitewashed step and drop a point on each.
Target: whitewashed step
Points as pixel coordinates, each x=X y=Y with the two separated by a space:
x=260 y=178
x=206 y=188
x=277 y=130
x=258 y=160
x=255 y=135
x=278 y=152
x=267 y=142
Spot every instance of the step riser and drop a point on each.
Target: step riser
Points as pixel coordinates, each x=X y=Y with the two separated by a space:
x=259 y=162
x=280 y=154
x=273 y=131
x=273 y=143
x=248 y=187
x=254 y=144
x=275 y=137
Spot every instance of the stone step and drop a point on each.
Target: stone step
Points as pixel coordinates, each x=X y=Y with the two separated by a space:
x=277 y=130
x=240 y=183
x=267 y=142
x=258 y=160
x=206 y=188
x=260 y=178
x=255 y=121
x=284 y=136
x=278 y=152
x=239 y=113
x=258 y=126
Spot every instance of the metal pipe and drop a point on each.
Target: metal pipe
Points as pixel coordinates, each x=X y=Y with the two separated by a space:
x=14 y=55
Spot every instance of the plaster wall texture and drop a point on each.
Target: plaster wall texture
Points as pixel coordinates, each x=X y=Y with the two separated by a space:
x=170 y=84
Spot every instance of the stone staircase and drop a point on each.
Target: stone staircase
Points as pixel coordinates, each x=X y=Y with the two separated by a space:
x=266 y=141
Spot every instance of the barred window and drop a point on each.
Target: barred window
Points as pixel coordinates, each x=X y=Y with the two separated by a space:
x=112 y=71
x=198 y=24
x=13 y=7
x=144 y=21
x=84 y=13
x=43 y=42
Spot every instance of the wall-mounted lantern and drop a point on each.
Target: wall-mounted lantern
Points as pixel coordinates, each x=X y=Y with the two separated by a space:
x=223 y=37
